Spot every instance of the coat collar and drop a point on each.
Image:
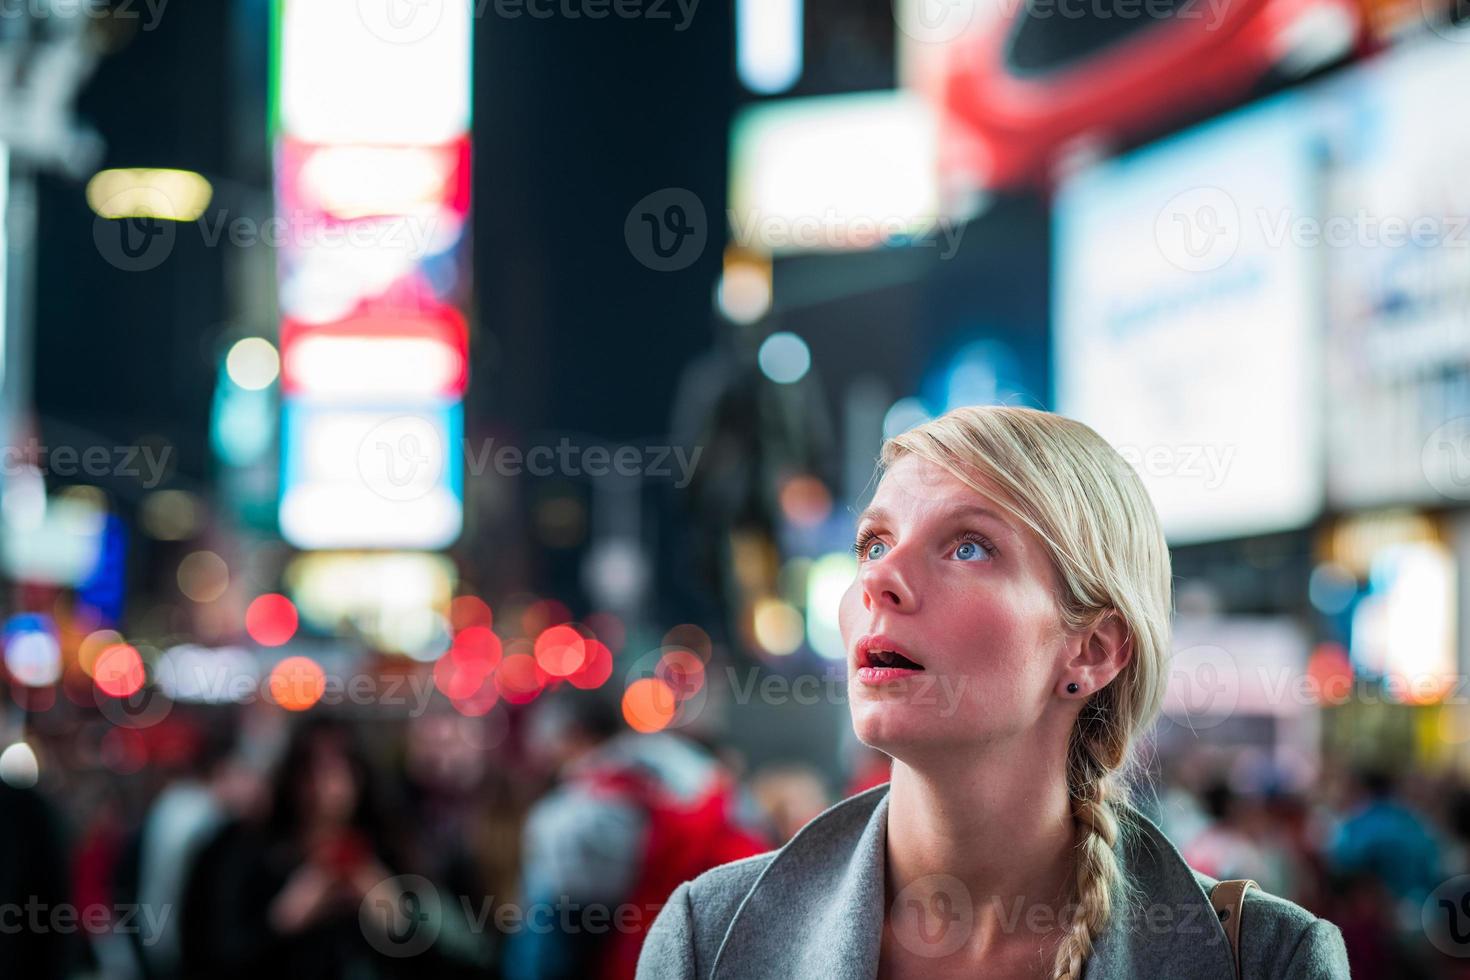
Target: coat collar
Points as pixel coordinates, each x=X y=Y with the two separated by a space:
x=816 y=912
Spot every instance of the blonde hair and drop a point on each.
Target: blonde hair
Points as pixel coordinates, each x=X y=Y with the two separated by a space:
x=1088 y=506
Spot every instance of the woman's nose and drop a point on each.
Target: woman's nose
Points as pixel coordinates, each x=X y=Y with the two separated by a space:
x=885 y=584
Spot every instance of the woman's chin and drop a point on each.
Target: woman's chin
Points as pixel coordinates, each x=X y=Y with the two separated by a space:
x=892 y=726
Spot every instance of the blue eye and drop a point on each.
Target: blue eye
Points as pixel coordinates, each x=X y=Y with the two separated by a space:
x=971 y=550
x=868 y=553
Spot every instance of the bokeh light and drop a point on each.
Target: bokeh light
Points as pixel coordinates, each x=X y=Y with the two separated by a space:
x=92 y=646
x=19 y=766
x=596 y=669
x=805 y=501
x=297 y=683
x=778 y=626
x=518 y=678
x=271 y=620
x=784 y=357
x=682 y=671
x=203 y=576
x=561 y=650
x=119 y=671
x=171 y=515
x=649 y=705
x=32 y=652
x=253 y=363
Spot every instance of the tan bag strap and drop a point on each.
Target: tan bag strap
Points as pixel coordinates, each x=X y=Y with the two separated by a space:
x=1228 y=898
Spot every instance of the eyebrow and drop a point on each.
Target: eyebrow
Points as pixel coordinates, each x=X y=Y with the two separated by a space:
x=879 y=515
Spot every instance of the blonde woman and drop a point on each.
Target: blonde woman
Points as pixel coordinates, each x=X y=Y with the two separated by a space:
x=1007 y=634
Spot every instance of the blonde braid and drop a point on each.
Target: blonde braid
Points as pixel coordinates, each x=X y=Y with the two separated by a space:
x=1096 y=753
x=1098 y=877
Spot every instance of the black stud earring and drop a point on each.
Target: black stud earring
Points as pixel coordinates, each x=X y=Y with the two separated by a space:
x=1072 y=688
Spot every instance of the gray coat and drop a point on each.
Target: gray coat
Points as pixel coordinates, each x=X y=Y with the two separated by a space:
x=814 y=910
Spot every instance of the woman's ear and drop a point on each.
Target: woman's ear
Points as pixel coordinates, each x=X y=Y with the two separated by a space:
x=1102 y=653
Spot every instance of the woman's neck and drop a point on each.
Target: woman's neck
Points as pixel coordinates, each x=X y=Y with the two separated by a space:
x=1002 y=825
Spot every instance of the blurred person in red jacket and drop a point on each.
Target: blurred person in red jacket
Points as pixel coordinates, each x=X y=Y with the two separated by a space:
x=631 y=817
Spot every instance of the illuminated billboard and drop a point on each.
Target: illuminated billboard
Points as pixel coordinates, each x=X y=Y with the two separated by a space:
x=371 y=118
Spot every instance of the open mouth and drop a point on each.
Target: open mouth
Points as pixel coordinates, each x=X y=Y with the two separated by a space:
x=889 y=658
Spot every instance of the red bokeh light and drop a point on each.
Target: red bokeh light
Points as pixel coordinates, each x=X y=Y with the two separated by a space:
x=271 y=620
x=596 y=668
x=561 y=651
x=476 y=648
x=519 y=678
x=118 y=671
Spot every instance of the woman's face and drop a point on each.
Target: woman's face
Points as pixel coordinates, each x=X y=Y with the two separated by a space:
x=330 y=784
x=964 y=591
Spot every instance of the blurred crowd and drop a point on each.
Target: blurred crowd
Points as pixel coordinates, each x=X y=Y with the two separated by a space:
x=541 y=845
